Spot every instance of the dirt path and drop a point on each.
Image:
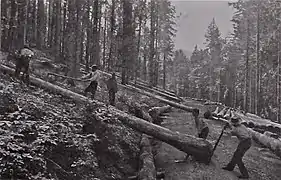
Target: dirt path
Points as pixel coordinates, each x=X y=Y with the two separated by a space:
x=261 y=163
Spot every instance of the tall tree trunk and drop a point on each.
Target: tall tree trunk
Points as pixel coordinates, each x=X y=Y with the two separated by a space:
x=164 y=70
x=95 y=54
x=143 y=3
x=0 y=26
x=104 y=41
x=151 y=63
x=40 y=24
x=278 y=84
x=57 y=39
x=257 y=107
x=89 y=24
x=71 y=40
x=64 y=30
x=34 y=22
x=5 y=33
x=50 y=17
x=21 y=23
x=25 y=21
x=127 y=39
x=111 y=36
x=247 y=77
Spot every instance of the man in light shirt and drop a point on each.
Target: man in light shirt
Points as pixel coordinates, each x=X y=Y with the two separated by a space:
x=245 y=142
x=94 y=77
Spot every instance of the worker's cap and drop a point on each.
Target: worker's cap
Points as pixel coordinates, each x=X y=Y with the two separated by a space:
x=235 y=120
x=94 y=66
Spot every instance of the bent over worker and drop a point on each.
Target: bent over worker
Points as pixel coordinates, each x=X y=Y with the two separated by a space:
x=245 y=142
x=201 y=126
x=94 y=77
x=23 y=58
x=112 y=89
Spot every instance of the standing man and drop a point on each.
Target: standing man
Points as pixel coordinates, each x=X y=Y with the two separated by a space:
x=112 y=89
x=94 y=77
x=245 y=142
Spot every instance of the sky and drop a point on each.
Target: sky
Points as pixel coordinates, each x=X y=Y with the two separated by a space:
x=195 y=18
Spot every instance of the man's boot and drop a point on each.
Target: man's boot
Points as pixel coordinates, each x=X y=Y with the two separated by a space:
x=243 y=177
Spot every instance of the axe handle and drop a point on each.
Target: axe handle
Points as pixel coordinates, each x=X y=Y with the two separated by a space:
x=217 y=143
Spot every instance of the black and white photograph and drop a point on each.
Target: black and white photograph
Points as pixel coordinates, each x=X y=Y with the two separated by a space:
x=140 y=89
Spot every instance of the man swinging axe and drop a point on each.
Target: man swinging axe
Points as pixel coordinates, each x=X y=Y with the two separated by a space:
x=245 y=142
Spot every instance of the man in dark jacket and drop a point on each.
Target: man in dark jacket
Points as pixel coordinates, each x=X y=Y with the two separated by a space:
x=94 y=77
x=245 y=142
x=112 y=89
x=23 y=57
x=201 y=126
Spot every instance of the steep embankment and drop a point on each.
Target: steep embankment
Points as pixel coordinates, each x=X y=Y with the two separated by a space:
x=51 y=136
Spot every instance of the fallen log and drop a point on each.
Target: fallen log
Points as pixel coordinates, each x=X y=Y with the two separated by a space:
x=199 y=148
x=156 y=113
x=171 y=103
x=157 y=88
x=222 y=112
x=146 y=160
x=265 y=140
x=273 y=144
x=152 y=90
x=66 y=77
x=227 y=114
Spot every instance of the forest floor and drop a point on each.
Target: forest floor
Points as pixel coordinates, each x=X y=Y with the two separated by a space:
x=261 y=163
x=51 y=136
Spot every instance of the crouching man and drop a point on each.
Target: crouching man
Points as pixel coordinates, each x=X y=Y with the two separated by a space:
x=23 y=58
x=245 y=142
x=201 y=126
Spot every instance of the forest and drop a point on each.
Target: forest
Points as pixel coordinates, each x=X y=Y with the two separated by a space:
x=135 y=38
x=49 y=130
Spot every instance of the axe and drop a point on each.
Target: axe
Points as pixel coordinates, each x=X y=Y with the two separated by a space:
x=212 y=153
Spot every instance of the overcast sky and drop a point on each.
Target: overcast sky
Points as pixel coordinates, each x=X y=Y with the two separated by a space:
x=196 y=16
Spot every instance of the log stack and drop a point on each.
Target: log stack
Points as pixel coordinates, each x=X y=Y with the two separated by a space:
x=225 y=114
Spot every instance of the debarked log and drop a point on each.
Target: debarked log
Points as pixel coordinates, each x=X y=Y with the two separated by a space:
x=199 y=148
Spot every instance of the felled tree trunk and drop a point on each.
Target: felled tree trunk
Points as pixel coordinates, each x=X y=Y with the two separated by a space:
x=159 y=98
x=199 y=148
x=152 y=90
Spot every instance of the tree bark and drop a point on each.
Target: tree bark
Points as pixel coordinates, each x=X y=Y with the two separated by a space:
x=172 y=98
x=127 y=40
x=95 y=55
x=257 y=98
x=0 y=26
x=40 y=24
x=151 y=63
x=111 y=36
x=247 y=77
